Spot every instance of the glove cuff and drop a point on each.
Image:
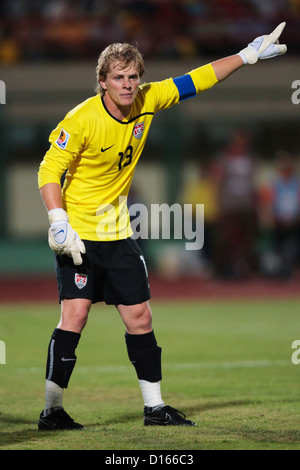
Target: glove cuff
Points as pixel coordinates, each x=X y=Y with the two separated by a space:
x=249 y=55
x=55 y=215
x=242 y=55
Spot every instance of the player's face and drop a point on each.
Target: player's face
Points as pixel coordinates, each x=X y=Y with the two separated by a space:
x=121 y=86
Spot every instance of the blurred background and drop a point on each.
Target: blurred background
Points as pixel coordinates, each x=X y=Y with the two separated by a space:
x=235 y=148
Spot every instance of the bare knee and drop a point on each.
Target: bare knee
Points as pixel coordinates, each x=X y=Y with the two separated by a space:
x=74 y=314
x=137 y=318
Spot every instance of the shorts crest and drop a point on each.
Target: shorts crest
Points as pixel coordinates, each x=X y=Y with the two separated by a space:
x=81 y=280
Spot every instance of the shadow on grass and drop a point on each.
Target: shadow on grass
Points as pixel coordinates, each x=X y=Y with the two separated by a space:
x=190 y=410
x=9 y=435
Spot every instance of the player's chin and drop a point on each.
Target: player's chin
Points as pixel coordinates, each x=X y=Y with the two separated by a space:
x=127 y=99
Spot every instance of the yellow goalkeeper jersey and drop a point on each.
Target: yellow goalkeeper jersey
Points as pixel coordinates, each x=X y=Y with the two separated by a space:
x=97 y=153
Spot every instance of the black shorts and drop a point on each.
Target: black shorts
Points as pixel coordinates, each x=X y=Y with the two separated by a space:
x=114 y=272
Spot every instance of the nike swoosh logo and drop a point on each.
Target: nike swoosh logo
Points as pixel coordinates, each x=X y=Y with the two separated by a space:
x=49 y=424
x=64 y=359
x=58 y=233
x=107 y=148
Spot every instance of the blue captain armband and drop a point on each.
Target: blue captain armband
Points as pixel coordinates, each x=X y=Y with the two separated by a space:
x=185 y=86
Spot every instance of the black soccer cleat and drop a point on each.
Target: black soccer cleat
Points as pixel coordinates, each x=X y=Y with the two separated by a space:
x=59 y=419
x=165 y=416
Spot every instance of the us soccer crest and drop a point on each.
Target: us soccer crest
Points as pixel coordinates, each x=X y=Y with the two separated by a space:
x=81 y=280
x=138 y=130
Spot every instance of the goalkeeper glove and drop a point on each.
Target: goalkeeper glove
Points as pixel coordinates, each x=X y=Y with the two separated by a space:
x=264 y=47
x=63 y=240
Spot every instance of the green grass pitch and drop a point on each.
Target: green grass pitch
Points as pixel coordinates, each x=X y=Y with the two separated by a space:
x=227 y=365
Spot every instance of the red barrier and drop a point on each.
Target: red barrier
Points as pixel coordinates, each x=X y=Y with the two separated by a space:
x=37 y=289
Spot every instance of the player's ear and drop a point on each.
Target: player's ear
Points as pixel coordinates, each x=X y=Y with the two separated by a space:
x=102 y=83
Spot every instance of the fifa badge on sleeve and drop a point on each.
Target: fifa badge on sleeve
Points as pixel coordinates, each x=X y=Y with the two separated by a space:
x=62 y=139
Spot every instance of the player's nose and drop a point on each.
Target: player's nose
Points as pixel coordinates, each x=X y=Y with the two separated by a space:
x=127 y=83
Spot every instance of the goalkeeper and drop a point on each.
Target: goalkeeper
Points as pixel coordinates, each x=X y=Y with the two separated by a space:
x=96 y=147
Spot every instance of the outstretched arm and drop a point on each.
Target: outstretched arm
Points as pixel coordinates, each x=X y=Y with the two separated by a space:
x=263 y=47
x=226 y=66
x=203 y=78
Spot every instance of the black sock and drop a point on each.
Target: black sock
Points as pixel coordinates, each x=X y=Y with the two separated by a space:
x=61 y=356
x=145 y=355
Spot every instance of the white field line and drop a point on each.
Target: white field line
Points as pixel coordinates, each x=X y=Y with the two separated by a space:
x=250 y=364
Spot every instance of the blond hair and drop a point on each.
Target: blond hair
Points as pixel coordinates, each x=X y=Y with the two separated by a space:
x=124 y=53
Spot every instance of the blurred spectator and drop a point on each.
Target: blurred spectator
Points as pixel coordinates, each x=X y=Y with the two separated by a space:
x=237 y=205
x=295 y=6
x=280 y=218
x=162 y=28
x=204 y=190
x=9 y=49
